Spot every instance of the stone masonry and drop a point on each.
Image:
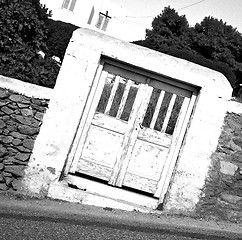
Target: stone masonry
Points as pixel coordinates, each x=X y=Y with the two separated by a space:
x=222 y=193
x=20 y=121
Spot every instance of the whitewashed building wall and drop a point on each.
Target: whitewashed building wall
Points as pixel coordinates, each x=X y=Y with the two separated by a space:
x=87 y=14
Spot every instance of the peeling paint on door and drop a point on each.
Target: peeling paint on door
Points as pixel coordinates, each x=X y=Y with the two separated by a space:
x=130 y=129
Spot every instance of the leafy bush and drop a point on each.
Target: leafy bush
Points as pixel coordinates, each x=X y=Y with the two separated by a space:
x=23 y=34
x=58 y=37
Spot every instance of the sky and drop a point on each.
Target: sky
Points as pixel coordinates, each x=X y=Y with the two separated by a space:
x=140 y=13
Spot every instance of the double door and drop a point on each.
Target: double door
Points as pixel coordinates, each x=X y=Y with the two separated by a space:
x=131 y=130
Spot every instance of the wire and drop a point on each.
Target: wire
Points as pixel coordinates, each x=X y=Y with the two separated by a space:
x=136 y=23
x=190 y=5
x=177 y=10
x=139 y=17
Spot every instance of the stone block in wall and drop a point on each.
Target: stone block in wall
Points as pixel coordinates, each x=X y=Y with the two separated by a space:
x=21 y=105
x=17 y=142
x=237 y=157
x=8 y=161
x=238 y=141
x=16 y=184
x=18 y=98
x=8 y=181
x=2 y=180
x=230 y=198
x=39 y=116
x=228 y=168
x=28 y=130
x=4 y=93
x=17 y=135
x=22 y=156
x=29 y=121
x=2 y=124
x=6 y=139
x=27 y=112
x=17 y=171
x=23 y=149
x=28 y=143
x=7 y=110
x=1 y=166
x=3 y=187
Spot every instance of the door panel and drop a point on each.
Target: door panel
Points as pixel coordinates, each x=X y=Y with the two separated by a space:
x=102 y=145
x=147 y=160
x=107 y=129
x=107 y=122
x=153 y=141
x=156 y=137
x=140 y=183
x=93 y=169
x=130 y=138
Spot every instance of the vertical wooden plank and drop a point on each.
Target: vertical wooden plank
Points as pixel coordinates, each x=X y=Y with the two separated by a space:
x=112 y=94
x=168 y=113
x=118 y=163
x=157 y=109
x=132 y=134
x=179 y=133
x=91 y=108
x=124 y=98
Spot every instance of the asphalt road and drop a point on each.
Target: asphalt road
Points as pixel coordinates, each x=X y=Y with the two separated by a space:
x=23 y=218
x=16 y=228
x=24 y=227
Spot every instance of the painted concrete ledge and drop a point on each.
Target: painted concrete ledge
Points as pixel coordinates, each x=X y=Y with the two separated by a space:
x=24 y=88
x=235 y=107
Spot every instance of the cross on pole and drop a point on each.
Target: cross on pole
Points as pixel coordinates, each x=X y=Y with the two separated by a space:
x=103 y=20
x=105 y=15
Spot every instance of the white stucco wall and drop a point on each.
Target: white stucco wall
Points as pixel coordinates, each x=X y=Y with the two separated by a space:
x=24 y=88
x=117 y=26
x=74 y=82
x=235 y=107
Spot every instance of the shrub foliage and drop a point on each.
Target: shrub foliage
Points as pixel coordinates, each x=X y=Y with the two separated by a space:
x=23 y=34
x=58 y=37
x=211 y=43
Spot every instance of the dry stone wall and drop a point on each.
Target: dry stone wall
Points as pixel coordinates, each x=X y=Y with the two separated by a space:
x=222 y=194
x=20 y=121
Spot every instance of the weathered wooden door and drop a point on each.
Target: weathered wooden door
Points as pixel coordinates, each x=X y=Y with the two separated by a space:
x=131 y=129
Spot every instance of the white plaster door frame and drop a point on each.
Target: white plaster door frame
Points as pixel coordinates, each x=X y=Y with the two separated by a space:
x=127 y=139
x=72 y=156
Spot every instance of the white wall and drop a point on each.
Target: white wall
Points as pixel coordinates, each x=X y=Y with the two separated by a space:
x=117 y=26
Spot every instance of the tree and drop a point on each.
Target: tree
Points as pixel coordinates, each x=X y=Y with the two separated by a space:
x=58 y=37
x=220 y=42
x=211 y=43
x=22 y=34
x=169 y=30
